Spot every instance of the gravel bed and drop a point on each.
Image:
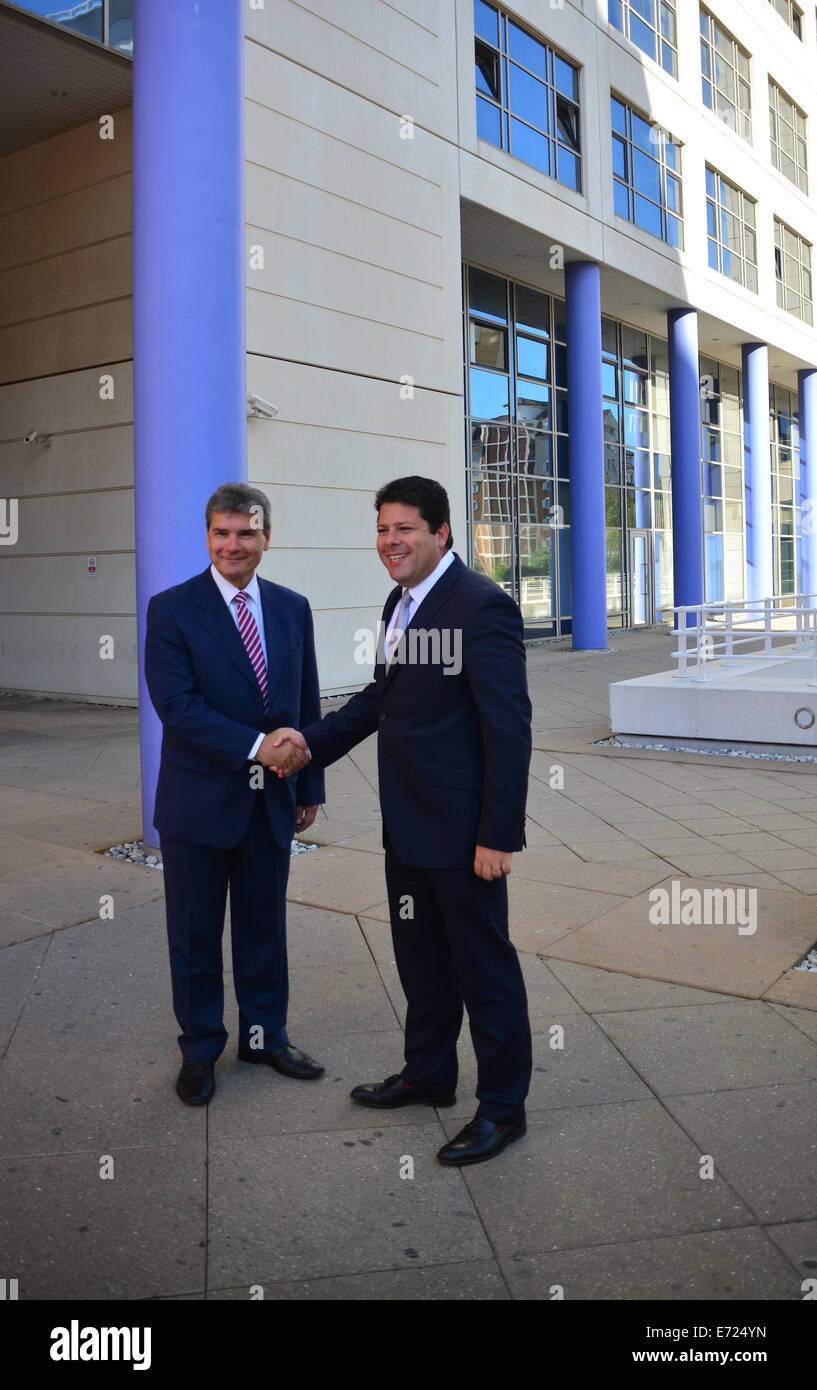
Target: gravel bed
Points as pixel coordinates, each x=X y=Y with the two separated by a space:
x=136 y=852
x=722 y=751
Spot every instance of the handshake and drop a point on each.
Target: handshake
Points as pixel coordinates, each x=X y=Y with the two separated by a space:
x=283 y=751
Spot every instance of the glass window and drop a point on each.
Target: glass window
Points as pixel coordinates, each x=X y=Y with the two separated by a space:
x=730 y=216
x=725 y=76
x=793 y=272
x=651 y=26
x=644 y=189
x=527 y=97
x=786 y=122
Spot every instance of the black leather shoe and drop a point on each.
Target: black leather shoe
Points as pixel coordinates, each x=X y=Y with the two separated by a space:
x=196 y=1083
x=393 y=1092
x=287 y=1060
x=480 y=1140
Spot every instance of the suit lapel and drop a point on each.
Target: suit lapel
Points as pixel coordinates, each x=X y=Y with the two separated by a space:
x=275 y=636
x=216 y=618
x=430 y=605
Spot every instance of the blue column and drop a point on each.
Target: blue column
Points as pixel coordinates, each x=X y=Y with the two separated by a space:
x=807 y=409
x=685 y=442
x=190 y=415
x=587 y=529
x=758 y=481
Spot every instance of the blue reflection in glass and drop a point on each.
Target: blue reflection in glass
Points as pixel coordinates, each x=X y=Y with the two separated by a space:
x=489 y=395
x=647 y=215
x=485 y=21
x=488 y=126
x=528 y=97
x=568 y=170
x=642 y=36
x=646 y=175
x=526 y=49
x=565 y=77
x=528 y=145
x=532 y=357
x=621 y=199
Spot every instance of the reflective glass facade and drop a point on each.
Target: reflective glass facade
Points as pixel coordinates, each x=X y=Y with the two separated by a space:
x=527 y=96
x=784 y=434
x=650 y=25
x=107 y=21
x=646 y=174
x=722 y=481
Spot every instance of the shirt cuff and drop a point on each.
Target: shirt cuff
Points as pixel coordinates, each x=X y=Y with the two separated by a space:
x=255 y=748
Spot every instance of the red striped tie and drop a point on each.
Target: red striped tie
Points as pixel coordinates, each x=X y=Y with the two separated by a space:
x=249 y=636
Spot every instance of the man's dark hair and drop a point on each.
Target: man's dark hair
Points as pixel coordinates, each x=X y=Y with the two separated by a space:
x=427 y=495
x=239 y=497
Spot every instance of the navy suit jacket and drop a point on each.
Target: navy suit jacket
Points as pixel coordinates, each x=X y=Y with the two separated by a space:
x=453 y=749
x=206 y=694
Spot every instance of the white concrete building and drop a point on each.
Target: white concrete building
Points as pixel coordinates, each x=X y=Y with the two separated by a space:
x=418 y=176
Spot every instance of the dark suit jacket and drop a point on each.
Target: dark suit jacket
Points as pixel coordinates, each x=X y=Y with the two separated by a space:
x=453 y=750
x=205 y=692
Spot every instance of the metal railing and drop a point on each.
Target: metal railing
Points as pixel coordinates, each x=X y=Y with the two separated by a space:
x=718 y=630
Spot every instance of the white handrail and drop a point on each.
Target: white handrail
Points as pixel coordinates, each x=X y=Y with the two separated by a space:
x=718 y=629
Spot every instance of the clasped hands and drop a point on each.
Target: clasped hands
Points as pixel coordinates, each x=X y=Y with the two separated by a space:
x=284 y=751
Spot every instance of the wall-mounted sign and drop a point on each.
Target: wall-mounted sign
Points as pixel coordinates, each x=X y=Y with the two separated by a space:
x=92 y=569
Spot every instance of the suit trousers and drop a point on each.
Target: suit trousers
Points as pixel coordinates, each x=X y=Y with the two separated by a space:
x=451 y=945
x=197 y=878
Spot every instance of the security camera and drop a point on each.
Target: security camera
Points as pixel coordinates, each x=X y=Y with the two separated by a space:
x=34 y=438
x=260 y=409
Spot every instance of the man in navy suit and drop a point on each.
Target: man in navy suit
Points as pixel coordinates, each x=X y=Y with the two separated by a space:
x=450 y=704
x=228 y=658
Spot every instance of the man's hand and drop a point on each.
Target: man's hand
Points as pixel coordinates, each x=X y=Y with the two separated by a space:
x=284 y=751
x=491 y=863
x=304 y=817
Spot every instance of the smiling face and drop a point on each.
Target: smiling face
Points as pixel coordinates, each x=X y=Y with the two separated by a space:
x=236 y=546
x=406 y=545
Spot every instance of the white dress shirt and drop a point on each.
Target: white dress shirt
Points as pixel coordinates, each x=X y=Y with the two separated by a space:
x=228 y=592
x=418 y=593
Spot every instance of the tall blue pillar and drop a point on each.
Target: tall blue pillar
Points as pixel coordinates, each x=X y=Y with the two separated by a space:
x=587 y=528
x=758 y=474
x=807 y=409
x=190 y=414
x=685 y=442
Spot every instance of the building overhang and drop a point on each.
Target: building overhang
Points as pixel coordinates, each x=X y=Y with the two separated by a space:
x=52 y=80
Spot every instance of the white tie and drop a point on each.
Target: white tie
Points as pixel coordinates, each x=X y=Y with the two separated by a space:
x=400 y=625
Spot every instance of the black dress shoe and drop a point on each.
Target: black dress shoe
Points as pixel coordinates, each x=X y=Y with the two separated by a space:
x=287 y=1060
x=394 y=1091
x=196 y=1083
x=480 y=1140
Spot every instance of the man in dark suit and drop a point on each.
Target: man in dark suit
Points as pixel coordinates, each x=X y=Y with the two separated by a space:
x=450 y=704
x=228 y=658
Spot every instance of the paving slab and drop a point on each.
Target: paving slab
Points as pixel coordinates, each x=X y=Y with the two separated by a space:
x=594 y=1174
x=804 y=1019
x=317 y=936
x=706 y=957
x=541 y=913
x=296 y=1206
x=711 y=1266
x=19 y=969
x=69 y=891
x=344 y=880
x=562 y=867
x=798 y=1241
x=474 y=1281
x=796 y=987
x=605 y=991
x=711 y=1047
x=104 y=986
x=763 y=1141
x=93 y=1102
x=585 y=1070
x=66 y=1233
x=324 y=1000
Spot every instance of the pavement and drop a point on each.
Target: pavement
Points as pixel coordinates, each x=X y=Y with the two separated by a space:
x=672 y=1118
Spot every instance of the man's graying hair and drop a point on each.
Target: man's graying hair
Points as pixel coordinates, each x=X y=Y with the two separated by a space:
x=239 y=497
